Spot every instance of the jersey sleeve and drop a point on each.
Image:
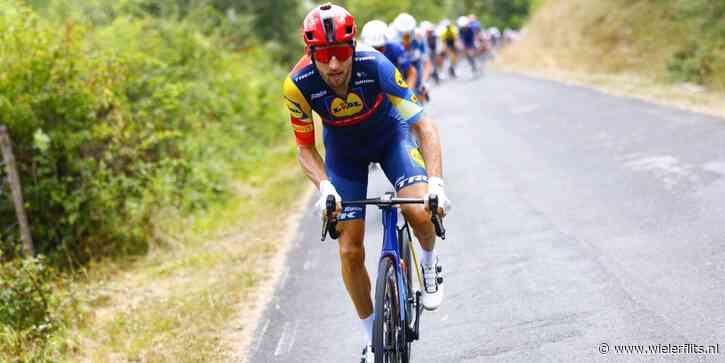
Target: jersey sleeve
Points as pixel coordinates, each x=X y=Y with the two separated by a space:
x=396 y=90
x=300 y=113
x=402 y=59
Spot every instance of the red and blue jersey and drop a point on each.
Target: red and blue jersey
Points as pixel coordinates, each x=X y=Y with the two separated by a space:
x=377 y=104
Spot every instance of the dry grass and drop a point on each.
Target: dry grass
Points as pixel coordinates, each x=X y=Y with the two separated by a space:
x=181 y=303
x=620 y=46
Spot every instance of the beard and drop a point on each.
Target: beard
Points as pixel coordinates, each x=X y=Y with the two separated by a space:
x=338 y=79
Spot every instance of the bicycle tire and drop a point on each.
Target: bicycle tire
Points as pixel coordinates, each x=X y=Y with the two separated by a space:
x=404 y=239
x=386 y=328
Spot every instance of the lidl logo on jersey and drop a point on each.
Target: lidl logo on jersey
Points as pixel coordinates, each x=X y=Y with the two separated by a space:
x=349 y=107
x=399 y=79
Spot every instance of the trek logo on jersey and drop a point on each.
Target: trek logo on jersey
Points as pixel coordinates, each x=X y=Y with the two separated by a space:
x=399 y=79
x=317 y=95
x=417 y=157
x=303 y=76
x=364 y=81
x=349 y=213
x=294 y=109
x=341 y=108
x=404 y=182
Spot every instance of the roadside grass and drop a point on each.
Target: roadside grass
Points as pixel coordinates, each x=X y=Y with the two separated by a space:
x=622 y=47
x=173 y=305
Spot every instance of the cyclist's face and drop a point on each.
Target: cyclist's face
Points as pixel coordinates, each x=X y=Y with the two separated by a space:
x=406 y=40
x=336 y=72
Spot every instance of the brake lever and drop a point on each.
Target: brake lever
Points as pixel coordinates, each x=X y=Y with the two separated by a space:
x=437 y=221
x=329 y=225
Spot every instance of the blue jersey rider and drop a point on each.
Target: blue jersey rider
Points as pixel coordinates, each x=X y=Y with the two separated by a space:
x=368 y=114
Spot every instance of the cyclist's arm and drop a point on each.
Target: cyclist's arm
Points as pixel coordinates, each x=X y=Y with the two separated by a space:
x=427 y=65
x=430 y=145
x=304 y=129
x=311 y=162
x=412 y=77
x=426 y=62
x=411 y=112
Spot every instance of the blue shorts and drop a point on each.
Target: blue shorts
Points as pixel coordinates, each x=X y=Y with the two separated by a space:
x=400 y=159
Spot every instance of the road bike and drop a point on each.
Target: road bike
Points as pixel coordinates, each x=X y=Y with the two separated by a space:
x=398 y=306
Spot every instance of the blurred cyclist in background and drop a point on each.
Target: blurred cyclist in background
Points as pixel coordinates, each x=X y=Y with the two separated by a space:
x=416 y=51
x=431 y=40
x=495 y=37
x=468 y=36
x=449 y=36
x=375 y=34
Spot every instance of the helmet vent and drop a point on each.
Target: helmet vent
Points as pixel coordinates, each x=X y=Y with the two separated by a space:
x=310 y=35
x=348 y=29
x=329 y=29
x=327 y=6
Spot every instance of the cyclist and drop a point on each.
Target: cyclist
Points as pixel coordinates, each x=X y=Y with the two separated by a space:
x=449 y=35
x=374 y=34
x=431 y=40
x=495 y=37
x=416 y=51
x=368 y=116
x=481 y=43
x=468 y=39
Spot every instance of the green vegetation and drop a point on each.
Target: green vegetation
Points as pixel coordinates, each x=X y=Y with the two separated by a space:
x=115 y=119
x=662 y=40
x=144 y=130
x=501 y=13
x=123 y=113
x=701 y=58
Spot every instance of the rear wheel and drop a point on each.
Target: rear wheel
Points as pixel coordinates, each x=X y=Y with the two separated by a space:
x=388 y=331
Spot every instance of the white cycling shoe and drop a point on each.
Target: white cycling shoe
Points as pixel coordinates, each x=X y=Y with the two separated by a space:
x=433 y=285
x=367 y=355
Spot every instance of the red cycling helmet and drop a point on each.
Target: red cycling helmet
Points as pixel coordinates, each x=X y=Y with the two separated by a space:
x=328 y=24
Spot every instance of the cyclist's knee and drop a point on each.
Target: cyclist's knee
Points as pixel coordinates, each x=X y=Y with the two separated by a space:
x=419 y=219
x=352 y=254
x=351 y=241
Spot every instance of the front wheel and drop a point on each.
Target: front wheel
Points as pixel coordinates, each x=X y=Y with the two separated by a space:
x=388 y=331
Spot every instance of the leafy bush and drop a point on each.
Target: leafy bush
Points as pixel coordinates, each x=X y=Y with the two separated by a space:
x=26 y=305
x=702 y=58
x=116 y=117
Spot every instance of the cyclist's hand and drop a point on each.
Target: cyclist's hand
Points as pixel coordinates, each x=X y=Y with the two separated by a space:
x=326 y=188
x=435 y=186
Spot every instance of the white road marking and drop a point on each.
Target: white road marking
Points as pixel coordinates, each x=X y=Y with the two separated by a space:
x=671 y=170
x=287 y=339
x=283 y=279
x=311 y=262
x=261 y=335
x=717 y=167
x=525 y=109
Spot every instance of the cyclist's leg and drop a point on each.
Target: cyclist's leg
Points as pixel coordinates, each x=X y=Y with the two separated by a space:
x=404 y=166
x=350 y=179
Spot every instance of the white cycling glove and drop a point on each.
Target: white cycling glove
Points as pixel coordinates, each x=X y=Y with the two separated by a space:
x=435 y=186
x=326 y=188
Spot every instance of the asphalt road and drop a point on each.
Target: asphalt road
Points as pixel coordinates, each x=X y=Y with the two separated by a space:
x=579 y=219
